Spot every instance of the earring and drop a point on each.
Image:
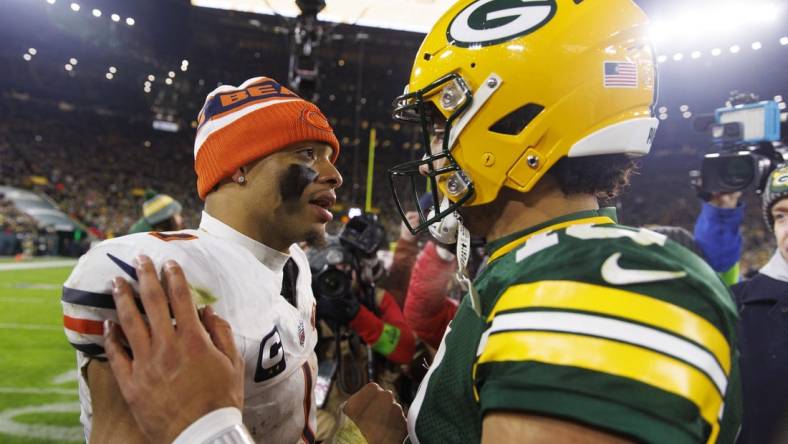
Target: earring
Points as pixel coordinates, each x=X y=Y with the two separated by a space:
x=241 y=180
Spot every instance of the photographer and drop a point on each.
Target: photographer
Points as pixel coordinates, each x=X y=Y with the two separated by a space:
x=351 y=310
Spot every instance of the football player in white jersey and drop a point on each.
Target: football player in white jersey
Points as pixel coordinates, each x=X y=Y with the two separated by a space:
x=264 y=160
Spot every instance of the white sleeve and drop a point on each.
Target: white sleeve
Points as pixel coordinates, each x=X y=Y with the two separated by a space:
x=221 y=426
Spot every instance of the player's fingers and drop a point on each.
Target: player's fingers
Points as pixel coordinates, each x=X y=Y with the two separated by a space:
x=130 y=318
x=119 y=361
x=180 y=297
x=221 y=335
x=153 y=299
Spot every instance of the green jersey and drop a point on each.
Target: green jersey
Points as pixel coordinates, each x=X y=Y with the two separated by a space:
x=612 y=327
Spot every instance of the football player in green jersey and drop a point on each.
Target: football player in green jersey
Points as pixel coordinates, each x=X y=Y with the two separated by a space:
x=578 y=329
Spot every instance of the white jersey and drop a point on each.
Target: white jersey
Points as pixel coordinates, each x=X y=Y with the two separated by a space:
x=243 y=278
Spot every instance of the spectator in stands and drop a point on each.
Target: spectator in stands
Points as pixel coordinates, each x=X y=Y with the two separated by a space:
x=159 y=213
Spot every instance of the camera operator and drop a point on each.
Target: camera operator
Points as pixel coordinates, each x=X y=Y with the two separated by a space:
x=718 y=234
x=364 y=336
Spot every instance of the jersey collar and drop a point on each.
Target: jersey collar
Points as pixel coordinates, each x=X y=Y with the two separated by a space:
x=273 y=259
x=500 y=247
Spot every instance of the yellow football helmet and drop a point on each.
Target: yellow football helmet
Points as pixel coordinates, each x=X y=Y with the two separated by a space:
x=518 y=84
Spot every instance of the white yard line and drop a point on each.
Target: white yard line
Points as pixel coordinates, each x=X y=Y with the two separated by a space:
x=42 y=431
x=37 y=265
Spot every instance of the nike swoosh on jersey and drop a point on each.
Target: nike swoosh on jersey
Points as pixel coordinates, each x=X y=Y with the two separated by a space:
x=612 y=273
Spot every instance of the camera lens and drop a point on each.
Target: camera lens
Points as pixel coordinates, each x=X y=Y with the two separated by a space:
x=332 y=283
x=737 y=172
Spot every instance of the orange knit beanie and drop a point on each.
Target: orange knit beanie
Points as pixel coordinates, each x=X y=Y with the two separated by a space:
x=238 y=125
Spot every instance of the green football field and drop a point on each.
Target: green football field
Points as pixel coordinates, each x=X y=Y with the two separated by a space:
x=38 y=386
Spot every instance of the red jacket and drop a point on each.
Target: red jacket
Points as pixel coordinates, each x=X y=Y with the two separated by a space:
x=428 y=309
x=389 y=334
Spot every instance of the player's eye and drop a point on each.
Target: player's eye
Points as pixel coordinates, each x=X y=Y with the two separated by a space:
x=309 y=153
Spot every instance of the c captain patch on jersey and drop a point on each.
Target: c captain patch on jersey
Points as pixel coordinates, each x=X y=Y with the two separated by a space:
x=271 y=360
x=488 y=22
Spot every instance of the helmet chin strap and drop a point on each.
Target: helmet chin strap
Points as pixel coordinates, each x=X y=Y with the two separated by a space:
x=450 y=230
x=463 y=254
x=445 y=230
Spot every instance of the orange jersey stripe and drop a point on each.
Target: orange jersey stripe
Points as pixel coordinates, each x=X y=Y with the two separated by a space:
x=84 y=326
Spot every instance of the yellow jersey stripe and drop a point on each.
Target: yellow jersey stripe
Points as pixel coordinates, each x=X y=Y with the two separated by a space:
x=572 y=295
x=611 y=357
x=595 y=220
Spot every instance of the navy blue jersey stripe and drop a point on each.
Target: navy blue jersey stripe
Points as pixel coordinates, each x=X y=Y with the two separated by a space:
x=81 y=297
x=89 y=349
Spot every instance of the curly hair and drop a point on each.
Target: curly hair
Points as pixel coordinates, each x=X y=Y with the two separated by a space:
x=604 y=176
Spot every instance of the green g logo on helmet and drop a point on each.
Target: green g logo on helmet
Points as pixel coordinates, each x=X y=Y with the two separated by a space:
x=488 y=22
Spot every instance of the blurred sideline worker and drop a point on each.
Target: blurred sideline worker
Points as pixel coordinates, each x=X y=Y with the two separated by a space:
x=264 y=160
x=578 y=329
x=354 y=317
x=718 y=234
x=762 y=302
x=159 y=213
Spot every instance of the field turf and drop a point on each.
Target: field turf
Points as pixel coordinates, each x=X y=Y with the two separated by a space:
x=38 y=387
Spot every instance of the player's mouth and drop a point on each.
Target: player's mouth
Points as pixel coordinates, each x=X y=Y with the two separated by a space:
x=321 y=205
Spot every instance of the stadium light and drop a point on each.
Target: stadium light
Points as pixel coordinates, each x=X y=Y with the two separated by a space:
x=663 y=116
x=184 y=67
x=781 y=105
x=113 y=70
x=724 y=19
x=130 y=21
x=109 y=76
x=73 y=61
x=686 y=114
x=663 y=109
x=784 y=41
x=51 y=2
x=96 y=12
x=678 y=56
x=68 y=67
x=168 y=81
x=778 y=98
x=115 y=17
x=32 y=51
x=662 y=59
x=684 y=108
x=756 y=46
x=151 y=78
x=695 y=54
x=75 y=7
x=147 y=84
x=27 y=57
x=171 y=74
x=735 y=49
x=184 y=62
x=716 y=51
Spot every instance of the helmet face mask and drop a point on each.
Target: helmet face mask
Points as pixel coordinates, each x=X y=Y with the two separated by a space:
x=437 y=166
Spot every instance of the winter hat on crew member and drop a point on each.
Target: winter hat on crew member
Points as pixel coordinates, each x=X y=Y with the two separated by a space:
x=776 y=188
x=238 y=125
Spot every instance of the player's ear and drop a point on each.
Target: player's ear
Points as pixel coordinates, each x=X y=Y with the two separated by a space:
x=239 y=176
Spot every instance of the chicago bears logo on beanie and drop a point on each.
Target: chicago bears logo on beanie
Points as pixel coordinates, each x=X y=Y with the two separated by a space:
x=238 y=125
